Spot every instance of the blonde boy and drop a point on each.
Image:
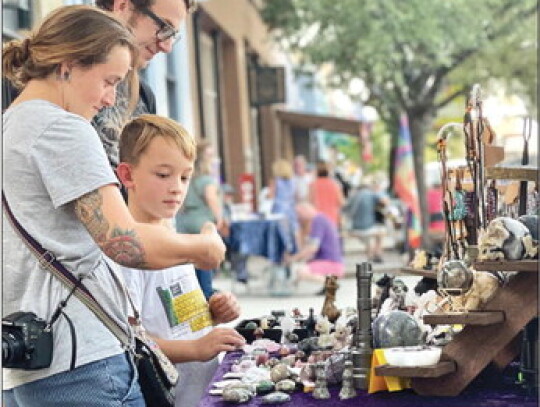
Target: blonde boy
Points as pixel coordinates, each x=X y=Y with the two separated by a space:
x=156 y=163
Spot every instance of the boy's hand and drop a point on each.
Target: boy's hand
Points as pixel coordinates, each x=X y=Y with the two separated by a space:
x=224 y=307
x=215 y=248
x=219 y=340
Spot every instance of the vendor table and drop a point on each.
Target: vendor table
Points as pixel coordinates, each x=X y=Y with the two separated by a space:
x=489 y=390
x=268 y=238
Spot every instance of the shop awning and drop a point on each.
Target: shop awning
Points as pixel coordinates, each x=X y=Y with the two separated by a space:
x=316 y=121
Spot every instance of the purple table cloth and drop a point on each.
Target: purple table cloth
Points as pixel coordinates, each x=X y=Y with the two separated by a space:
x=490 y=389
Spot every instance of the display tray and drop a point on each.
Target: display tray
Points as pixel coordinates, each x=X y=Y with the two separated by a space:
x=270 y=333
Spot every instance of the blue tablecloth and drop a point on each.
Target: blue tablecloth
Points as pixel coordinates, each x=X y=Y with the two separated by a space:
x=262 y=237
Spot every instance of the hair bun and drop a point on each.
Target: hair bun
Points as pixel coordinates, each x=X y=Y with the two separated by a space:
x=25 y=48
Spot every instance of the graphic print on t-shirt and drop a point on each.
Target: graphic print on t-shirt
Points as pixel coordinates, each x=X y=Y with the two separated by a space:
x=186 y=310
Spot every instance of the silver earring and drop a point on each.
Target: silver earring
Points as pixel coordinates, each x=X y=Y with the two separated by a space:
x=67 y=76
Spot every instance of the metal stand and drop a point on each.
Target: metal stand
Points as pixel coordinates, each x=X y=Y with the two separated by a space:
x=361 y=351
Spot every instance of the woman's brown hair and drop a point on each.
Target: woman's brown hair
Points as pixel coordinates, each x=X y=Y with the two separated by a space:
x=82 y=35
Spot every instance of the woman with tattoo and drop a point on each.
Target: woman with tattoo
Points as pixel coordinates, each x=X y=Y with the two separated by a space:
x=61 y=189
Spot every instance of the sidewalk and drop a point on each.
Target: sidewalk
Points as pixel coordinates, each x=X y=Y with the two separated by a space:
x=256 y=299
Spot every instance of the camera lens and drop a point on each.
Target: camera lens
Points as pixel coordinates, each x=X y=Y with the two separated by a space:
x=12 y=348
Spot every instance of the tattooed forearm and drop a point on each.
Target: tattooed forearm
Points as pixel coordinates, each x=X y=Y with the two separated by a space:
x=125 y=248
x=122 y=246
x=88 y=210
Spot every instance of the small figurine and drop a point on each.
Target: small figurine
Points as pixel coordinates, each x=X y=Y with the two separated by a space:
x=287 y=325
x=347 y=390
x=310 y=324
x=329 y=308
x=506 y=239
x=396 y=299
x=264 y=323
x=321 y=389
x=341 y=336
x=323 y=327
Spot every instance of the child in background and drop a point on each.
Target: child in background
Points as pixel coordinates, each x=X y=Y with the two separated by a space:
x=156 y=162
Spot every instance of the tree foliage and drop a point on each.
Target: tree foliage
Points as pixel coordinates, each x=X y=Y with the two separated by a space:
x=414 y=56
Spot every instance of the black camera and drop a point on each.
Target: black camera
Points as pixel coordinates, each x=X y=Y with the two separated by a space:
x=26 y=343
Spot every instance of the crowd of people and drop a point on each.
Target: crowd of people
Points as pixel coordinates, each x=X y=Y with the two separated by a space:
x=125 y=200
x=322 y=204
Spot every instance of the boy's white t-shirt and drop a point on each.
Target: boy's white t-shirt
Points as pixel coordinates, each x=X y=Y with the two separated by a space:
x=172 y=306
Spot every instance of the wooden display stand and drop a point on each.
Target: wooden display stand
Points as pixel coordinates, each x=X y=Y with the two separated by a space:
x=490 y=336
x=477 y=345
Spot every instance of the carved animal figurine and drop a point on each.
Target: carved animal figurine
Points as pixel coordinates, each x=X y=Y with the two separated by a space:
x=506 y=238
x=482 y=290
x=396 y=299
x=420 y=260
x=323 y=327
x=424 y=285
x=341 y=336
x=382 y=292
x=329 y=308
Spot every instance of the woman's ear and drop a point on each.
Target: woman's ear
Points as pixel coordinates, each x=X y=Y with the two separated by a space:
x=124 y=174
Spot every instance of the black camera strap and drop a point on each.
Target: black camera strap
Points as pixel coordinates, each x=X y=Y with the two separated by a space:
x=48 y=261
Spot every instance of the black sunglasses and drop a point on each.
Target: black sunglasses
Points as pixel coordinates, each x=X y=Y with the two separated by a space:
x=165 y=30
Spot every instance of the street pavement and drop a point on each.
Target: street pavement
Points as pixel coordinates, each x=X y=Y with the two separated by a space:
x=257 y=298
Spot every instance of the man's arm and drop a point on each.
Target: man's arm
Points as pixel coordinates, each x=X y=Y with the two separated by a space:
x=140 y=245
x=307 y=252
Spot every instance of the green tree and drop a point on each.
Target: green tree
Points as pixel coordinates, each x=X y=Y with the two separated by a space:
x=414 y=56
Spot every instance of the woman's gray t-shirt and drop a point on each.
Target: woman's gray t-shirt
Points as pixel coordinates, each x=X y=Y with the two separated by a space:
x=51 y=158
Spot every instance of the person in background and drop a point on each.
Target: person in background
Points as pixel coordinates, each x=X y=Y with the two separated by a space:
x=61 y=189
x=156 y=162
x=282 y=192
x=201 y=205
x=237 y=261
x=326 y=195
x=362 y=210
x=301 y=179
x=320 y=255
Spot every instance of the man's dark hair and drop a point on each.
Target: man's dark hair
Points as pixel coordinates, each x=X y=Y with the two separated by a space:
x=140 y=4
